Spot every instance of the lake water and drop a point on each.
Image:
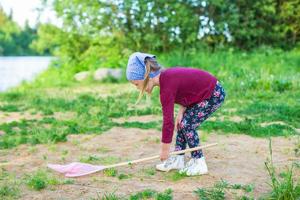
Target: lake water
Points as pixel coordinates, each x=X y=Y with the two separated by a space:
x=14 y=70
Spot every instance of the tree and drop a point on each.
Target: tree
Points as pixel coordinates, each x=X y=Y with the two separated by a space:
x=13 y=39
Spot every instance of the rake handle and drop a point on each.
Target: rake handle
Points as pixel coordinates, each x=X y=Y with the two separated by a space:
x=158 y=156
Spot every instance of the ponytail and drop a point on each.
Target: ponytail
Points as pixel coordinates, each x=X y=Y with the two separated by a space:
x=151 y=66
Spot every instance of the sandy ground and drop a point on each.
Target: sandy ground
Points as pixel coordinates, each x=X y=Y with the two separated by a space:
x=7 y=117
x=237 y=159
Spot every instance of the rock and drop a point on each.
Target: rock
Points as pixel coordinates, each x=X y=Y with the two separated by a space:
x=81 y=75
x=103 y=73
x=100 y=74
x=116 y=73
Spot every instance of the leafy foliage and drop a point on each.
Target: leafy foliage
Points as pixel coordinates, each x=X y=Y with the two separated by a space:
x=15 y=40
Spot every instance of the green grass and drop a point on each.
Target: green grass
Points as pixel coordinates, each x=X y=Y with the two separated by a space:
x=110 y=196
x=112 y=172
x=249 y=127
x=82 y=105
x=10 y=108
x=149 y=193
x=273 y=112
x=124 y=176
x=141 y=195
x=285 y=185
x=9 y=186
x=93 y=159
x=89 y=159
x=149 y=171
x=175 y=176
x=141 y=125
x=218 y=191
x=37 y=181
x=41 y=179
x=145 y=194
x=9 y=191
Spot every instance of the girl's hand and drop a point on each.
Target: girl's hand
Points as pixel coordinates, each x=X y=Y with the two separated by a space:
x=179 y=117
x=178 y=120
x=165 y=151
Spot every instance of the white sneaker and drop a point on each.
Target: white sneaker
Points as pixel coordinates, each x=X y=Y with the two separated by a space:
x=173 y=162
x=196 y=166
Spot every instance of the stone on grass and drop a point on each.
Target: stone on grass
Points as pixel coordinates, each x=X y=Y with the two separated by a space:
x=103 y=73
x=81 y=75
x=116 y=73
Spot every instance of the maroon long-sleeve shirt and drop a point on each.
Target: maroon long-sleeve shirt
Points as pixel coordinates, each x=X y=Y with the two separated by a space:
x=184 y=86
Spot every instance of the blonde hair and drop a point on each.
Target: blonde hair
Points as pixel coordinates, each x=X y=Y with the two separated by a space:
x=151 y=66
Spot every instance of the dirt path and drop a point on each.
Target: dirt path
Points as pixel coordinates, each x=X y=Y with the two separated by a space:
x=237 y=159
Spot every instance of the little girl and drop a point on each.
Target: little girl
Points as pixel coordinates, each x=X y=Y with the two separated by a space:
x=198 y=94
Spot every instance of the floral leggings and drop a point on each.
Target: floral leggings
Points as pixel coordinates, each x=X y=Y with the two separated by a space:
x=194 y=116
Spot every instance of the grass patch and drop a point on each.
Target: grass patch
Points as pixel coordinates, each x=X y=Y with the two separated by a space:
x=166 y=195
x=41 y=179
x=12 y=96
x=124 y=176
x=112 y=172
x=141 y=125
x=89 y=159
x=152 y=194
x=144 y=194
x=9 y=191
x=175 y=176
x=93 y=159
x=149 y=171
x=9 y=186
x=109 y=196
x=274 y=112
x=10 y=108
x=250 y=127
x=285 y=185
x=217 y=192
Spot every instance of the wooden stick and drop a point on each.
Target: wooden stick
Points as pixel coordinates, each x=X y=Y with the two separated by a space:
x=158 y=156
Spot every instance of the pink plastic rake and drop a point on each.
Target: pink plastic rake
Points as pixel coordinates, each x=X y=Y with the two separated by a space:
x=76 y=169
